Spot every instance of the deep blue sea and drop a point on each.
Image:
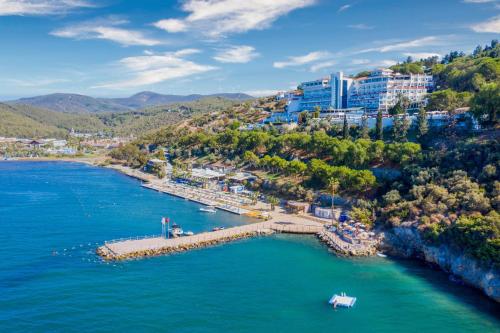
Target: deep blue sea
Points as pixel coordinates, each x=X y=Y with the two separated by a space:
x=53 y=215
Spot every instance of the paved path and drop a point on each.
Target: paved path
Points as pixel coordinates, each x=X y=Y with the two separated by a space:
x=157 y=245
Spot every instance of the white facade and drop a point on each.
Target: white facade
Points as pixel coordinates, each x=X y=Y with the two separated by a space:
x=292 y=100
x=383 y=87
x=380 y=90
x=340 y=86
x=316 y=93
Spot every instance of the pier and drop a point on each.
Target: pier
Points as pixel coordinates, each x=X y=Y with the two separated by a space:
x=136 y=248
x=201 y=196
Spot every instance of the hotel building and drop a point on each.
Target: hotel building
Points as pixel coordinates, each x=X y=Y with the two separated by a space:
x=380 y=90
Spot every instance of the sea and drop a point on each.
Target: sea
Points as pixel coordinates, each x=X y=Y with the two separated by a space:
x=53 y=216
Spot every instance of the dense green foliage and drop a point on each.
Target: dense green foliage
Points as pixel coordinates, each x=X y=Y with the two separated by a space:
x=463 y=80
x=448 y=192
x=27 y=121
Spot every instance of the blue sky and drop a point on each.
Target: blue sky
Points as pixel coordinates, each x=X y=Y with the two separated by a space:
x=120 y=47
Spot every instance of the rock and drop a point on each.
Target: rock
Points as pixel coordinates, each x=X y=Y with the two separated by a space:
x=405 y=241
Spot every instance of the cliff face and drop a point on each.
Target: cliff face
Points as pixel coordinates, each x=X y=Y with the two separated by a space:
x=406 y=241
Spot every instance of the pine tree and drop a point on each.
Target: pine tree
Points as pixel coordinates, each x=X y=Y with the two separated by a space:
x=365 y=131
x=422 y=125
x=345 y=129
x=379 y=128
x=405 y=126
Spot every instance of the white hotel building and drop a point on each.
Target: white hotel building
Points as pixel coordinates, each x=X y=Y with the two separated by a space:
x=379 y=90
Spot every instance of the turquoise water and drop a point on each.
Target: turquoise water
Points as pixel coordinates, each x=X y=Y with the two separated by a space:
x=273 y=284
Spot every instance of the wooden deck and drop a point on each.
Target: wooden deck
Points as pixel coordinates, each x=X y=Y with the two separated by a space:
x=133 y=248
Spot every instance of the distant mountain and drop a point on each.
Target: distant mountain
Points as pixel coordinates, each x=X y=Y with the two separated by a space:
x=148 y=98
x=71 y=103
x=74 y=103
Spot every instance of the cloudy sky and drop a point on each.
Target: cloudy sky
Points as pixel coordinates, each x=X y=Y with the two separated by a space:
x=120 y=47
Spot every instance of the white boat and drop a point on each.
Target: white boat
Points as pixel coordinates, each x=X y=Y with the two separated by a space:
x=188 y=233
x=342 y=300
x=381 y=255
x=218 y=228
x=209 y=209
x=176 y=230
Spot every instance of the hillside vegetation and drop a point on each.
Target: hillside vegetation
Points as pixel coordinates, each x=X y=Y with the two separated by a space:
x=27 y=121
x=440 y=180
x=75 y=103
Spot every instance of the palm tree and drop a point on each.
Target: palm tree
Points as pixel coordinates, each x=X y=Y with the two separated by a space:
x=255 y=196
x=273 y=201
x=333 y=185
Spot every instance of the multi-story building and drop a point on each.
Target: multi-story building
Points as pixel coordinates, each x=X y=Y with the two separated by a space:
x=316 y=93
x=380 y=90
x=341 y=86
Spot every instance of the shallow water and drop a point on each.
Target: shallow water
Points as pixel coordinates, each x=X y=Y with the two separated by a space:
x=53 y=215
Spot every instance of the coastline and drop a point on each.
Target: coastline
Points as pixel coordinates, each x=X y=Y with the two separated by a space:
x=399 y=245
x=91 y=160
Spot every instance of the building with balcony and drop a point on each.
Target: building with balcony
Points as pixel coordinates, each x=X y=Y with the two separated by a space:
x=380 y=90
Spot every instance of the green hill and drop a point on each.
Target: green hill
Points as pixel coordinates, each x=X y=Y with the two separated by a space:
x=28 y=121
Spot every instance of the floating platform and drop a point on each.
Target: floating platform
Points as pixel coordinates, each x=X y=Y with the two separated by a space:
x=342 y=300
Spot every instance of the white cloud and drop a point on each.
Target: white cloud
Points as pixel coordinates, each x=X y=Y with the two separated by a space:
x=171 y=25
x=360 y=26
x=216 y=18
x=155 y=68
x=302 y=60
x=106 y=29
x=416 y=43
x=237 y=54
x=261 y=93
x=322 y=65
x=386 y=63
x=360 y=61
x=421 y=55
x=490 y=26
x=40 y=7
x=343 y=8
x=35 y=82
x=479 y=1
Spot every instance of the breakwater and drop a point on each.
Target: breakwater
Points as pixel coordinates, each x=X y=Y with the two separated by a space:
x=136 y=248
x=153 y=246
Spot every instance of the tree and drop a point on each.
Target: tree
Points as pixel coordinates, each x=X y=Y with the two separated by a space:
x=379 y=128
x=345 y=128
x=422 y=124
x=486 y=104
x=250 y=158
x=365 y=131
x=317 y=110
x=158 y=170
x=396 y=111
x=302 y=119
x=296 y=167
x=333 y=185
x=404 y=127
x=273 y=201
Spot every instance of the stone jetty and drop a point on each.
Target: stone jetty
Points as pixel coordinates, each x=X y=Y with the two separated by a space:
x=136 y=248
x=340 y=246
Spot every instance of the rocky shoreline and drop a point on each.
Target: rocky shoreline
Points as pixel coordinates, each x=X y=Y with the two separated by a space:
x=405 y=241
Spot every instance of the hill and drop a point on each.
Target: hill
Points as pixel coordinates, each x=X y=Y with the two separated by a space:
x=71 y=103
x=28 y=121
x=18 y=125
x=74 y=103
